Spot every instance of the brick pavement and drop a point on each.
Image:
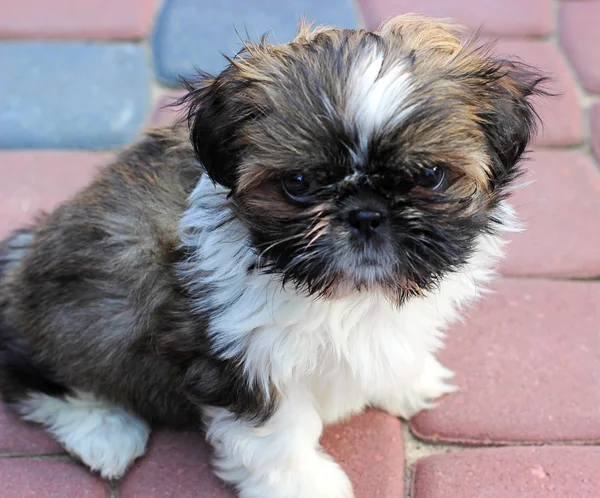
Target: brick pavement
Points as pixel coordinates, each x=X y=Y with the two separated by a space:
x=82 y=80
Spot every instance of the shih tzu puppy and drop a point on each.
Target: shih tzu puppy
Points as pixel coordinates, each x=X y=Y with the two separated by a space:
x=286 y=260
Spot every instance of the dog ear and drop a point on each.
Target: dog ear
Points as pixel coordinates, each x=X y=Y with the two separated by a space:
x=216 y=113
x=509 y=119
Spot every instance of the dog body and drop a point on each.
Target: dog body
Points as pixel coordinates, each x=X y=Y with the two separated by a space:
x=341 y=198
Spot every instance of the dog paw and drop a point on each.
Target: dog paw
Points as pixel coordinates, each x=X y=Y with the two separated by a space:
x=421 y=395
x=110 y=444
x=321 y=478
x=106 y=438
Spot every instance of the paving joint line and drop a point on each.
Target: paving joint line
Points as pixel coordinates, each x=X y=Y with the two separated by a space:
x=360 y=16
x=57 y=457
x=112 y=489
x=549 y=278
x=585 y=98
x=146 y=44
x=409 y=472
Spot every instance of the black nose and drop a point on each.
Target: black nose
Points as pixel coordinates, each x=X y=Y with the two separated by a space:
x=366 y=222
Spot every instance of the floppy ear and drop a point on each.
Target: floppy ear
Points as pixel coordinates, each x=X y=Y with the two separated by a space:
x=216 y=112
x=510 y=120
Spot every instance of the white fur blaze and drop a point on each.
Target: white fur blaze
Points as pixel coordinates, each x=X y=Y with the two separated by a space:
x=378 y=96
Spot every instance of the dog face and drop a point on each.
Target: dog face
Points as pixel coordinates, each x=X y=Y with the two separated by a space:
x=360 y=160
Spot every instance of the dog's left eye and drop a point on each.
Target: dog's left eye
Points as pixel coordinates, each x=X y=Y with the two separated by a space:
x=297 y=187
x=432 y=178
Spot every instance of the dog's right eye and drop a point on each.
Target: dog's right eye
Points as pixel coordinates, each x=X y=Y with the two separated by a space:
x=297 y=187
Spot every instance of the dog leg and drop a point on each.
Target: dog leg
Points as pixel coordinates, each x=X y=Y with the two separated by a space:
x=279 y=458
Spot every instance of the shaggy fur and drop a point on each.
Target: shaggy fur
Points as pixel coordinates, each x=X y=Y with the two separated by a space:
x=293 y=261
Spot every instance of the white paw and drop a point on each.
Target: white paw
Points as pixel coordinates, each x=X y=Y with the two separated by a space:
x=106 y=438
x=316 y=477
x=109 y=442
x=421 y=395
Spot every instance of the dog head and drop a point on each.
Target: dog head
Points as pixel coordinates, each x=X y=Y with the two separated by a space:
x=365 y=159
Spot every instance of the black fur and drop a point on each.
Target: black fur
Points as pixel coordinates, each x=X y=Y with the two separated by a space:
x=20 y=375
x=512 y=121
x=216 y=124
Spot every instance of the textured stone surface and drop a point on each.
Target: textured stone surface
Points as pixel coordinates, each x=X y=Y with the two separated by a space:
x=36 y=181
x=25 y=478
x=71 y=95
x=191 y=34
x=580 y=37
x=561 y=116
x=176 y=466
x=560 y=210
x=493 y=17
x=21 y=438
x=527 y=365
x=548 y=472
x=368 y=446
x=76 y=19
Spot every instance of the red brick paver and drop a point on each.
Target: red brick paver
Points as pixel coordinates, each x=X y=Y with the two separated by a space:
x=497 y=18
x=76 y=19
x=176 y=466
x=560 y=210
x=20 y=438
x=369 y=448
x=35 y=181
x=580 y=37
x=549 y=472
x=29 y=478
x=526 y=360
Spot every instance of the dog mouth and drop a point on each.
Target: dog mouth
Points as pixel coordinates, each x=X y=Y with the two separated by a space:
x=366 y=262
x=368 y=272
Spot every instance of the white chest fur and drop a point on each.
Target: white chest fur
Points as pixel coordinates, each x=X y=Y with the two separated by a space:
x=350 y=351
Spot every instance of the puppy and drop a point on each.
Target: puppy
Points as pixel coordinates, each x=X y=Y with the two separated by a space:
x=288 y=260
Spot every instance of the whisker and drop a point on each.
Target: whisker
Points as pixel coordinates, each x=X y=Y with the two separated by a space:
x=317 y=236
x=314 y=225
x=281 y=241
